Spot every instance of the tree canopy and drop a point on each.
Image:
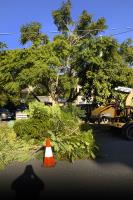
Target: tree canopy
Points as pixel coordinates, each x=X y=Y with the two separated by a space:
x=31 y=32
x=78 y=55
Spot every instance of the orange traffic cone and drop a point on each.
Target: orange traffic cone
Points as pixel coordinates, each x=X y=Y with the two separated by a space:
x=48 y=160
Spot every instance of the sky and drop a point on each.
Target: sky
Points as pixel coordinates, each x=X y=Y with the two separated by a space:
x=15 y=13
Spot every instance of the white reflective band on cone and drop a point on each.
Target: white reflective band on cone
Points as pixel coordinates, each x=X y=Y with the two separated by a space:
x=48 y=152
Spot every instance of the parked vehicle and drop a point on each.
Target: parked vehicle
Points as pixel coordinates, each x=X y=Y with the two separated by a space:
x=5 y=114
x=21 y=107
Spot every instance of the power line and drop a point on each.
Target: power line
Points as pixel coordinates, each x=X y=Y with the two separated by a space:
x=6 y=33
x=122 y=32
x=119 y=33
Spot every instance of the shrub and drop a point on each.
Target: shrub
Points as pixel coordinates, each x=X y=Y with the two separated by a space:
x=63 y=126
x=75 y=111
x=30 y=129
x=12 y=148
x=85 y=127
x=44 y=118
x=38 y=110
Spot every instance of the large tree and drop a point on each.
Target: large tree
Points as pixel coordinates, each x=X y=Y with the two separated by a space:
x=101 y=67
x=29 y=68
x=77 y=56
x=66 y=47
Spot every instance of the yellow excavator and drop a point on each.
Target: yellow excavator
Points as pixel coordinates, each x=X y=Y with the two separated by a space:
x=113 y=116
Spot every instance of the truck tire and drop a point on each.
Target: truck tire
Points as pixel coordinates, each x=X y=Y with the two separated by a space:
x=127 y=131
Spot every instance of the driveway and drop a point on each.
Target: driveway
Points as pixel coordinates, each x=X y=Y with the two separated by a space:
x=109 y=176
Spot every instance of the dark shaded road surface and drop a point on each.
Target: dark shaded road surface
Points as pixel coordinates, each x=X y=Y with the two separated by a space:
x=109 y=176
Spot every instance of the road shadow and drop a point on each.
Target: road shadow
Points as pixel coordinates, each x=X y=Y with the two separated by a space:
x=28 y=185
x=113 y=147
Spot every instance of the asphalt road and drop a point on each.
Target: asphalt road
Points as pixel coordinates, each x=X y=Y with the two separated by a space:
x=109 y=176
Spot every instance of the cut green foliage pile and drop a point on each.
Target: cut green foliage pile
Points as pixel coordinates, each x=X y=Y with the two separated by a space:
x=62 y=126
x=13 y=148
x=74 y=145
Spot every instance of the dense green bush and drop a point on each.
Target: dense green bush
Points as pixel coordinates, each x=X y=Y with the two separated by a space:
x=12 y=148
x=75 y=111
x=30 y=129
x=38 y=110
x=44 y=118
x=62 y=126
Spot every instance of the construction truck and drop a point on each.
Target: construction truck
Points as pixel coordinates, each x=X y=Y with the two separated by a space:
x=114 y=116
